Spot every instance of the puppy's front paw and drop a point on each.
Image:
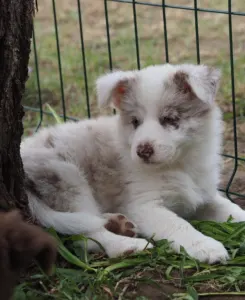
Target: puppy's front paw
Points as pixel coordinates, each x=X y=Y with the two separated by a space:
x=120 y=224
x=208 y=250
x=128 y=246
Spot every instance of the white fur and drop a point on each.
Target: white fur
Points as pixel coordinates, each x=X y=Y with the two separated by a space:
x=84 y=170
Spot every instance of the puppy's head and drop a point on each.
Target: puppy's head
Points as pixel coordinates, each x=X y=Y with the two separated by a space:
x=162 y=108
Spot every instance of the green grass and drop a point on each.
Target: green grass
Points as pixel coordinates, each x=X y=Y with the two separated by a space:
x=78 y=274
x=81 y=275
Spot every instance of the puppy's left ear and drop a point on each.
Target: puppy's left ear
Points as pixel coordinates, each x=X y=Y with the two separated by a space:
x=114 y=87
x=201 y=80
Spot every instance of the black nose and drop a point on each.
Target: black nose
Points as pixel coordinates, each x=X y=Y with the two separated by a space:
x=145 y=151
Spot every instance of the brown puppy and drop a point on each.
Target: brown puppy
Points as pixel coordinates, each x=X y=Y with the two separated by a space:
x=20 y=243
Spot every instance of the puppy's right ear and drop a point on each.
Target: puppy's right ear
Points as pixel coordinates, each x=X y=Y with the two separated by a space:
x=112 y=88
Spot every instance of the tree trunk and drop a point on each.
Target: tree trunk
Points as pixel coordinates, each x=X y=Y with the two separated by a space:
x=16 y=24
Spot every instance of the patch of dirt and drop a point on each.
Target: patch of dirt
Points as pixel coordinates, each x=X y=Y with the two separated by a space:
x=223 y=298
x=164 y=290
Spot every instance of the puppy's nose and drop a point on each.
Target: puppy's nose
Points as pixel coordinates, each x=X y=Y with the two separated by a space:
x=145 y=151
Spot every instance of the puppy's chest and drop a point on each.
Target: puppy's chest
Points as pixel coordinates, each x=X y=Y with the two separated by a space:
x=176 y=191
x=180 y=203
x=182 y=197
x=183 y=207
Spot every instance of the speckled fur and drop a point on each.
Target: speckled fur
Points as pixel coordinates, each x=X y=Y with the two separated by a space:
x=79 y=172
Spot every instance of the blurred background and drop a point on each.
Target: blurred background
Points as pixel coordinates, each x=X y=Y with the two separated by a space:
x=75 y=41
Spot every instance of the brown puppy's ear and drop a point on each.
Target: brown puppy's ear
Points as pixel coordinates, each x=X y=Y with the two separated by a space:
x=28 y=242
x=199 y=80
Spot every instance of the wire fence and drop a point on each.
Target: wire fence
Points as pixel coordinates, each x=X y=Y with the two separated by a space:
x=49 y=57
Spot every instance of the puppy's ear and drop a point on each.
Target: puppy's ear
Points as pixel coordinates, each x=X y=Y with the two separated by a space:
x=112 y=88
x=200 y=80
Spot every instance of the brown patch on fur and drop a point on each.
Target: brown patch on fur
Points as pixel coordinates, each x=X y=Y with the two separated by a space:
x=62 y=157
x=49 y=175
x=20 y=244
x=128 y=252
x=180 y=79
x=185 y=110
x=182 y=103
x=120 y=225
x=104 y=170
x=170 y=117
x=31 y=186
x=53 y=178
x=49 y=142
x=196 y=107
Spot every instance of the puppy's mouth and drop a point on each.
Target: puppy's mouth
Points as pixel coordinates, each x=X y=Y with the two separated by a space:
x=156 y=163
x=149 y=161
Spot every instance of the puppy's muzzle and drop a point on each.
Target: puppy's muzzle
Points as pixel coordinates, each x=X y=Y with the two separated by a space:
x=145 y=151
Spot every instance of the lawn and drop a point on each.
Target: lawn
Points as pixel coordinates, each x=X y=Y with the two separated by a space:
x=152 y=274
x=213 y=28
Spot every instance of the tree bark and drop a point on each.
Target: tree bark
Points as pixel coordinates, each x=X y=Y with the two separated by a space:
x=16 y=25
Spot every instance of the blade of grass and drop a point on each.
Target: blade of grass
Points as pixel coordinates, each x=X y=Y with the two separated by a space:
x=67 y=255
x=55 y=115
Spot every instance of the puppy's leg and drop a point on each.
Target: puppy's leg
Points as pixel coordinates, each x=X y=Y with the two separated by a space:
x=153 y=218
x=60 y=197
x=116 y=245
x=219 y=209
x=92 y=226
x=80 y=222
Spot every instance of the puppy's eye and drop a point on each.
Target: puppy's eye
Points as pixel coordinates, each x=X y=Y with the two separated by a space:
x=164 y=121
x=135 y=122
